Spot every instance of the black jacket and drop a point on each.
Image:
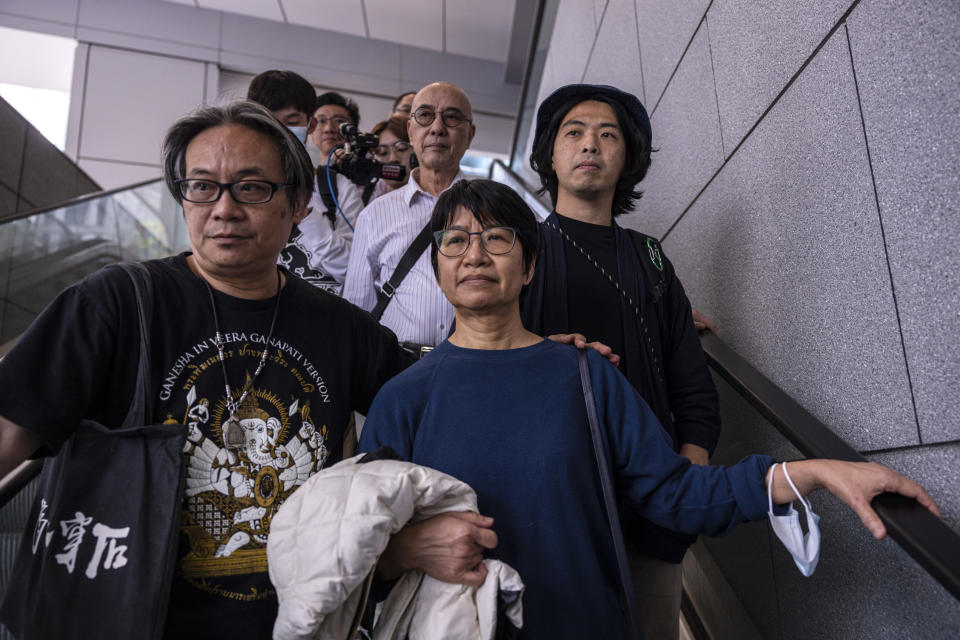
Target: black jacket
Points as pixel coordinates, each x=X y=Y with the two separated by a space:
x=663 y=359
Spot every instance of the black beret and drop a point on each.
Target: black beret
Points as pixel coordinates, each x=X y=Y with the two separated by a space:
x=560 y=97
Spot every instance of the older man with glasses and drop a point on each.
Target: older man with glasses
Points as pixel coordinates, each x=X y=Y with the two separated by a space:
x=389 y=272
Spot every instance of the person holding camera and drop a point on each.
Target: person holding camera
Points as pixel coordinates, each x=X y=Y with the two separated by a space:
x=394 y=149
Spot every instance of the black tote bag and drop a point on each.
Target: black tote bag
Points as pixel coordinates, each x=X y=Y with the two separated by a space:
x=96 y=559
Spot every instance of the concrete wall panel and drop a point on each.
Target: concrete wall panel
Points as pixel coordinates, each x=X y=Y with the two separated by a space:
x=279 y=41
x=345 y=80
x=616 y=55
x=686 y=134
x=665 y=29
x=173 y=29
x=112 y=175
x=63 y=12
x=114 y=124
x=480 y=79
x=757 y=47
x=573 y=35
x=784 y=251
x=907 y=58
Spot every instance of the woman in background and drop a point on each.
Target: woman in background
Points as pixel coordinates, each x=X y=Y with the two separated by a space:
x=394 y=148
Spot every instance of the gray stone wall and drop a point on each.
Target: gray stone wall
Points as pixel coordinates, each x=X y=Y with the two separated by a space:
x=805 y=186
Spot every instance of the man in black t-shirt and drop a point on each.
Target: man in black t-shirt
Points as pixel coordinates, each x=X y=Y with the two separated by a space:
x=591 y=148
x=297 y=361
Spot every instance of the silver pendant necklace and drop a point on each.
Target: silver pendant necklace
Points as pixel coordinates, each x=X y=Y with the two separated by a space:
x=231 y=430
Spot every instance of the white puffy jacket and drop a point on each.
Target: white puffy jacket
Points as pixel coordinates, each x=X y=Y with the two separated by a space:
x=326 y=539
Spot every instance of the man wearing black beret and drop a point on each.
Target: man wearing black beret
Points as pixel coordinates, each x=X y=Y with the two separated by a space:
x=591 y=149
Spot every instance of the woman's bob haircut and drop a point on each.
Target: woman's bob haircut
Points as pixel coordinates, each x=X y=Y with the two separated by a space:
x=493 y=205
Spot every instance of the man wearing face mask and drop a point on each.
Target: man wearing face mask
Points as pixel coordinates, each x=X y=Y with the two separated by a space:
x=319 y=247
x=334 y=110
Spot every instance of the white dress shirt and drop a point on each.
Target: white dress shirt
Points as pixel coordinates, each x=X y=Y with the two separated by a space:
x=418 y=312
x=327 y=245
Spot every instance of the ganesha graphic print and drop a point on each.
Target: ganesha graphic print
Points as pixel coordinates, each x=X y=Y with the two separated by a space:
x=231 y=495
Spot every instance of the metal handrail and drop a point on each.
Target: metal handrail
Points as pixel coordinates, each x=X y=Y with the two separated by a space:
x=497 y=162
x=924 y=536
x=78 y=200
x=16 y=480
x=927 y=538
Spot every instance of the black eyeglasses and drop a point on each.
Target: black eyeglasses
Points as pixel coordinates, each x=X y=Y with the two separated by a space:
x=336 y=120
x=453 y=118
x=384 y=150
x=243 y=191
x=495 y=240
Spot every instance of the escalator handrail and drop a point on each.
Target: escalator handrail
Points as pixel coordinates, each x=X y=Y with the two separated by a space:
x=75 y=201
x=497 y=162
x=16 y=480
x=928 y=539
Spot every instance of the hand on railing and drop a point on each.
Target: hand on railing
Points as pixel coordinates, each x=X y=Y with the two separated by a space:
x=855 y=483
x=703 y=323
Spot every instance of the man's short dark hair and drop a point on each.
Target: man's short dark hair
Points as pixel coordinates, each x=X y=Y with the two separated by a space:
x=297 y=167
x=336 y=99
x=636 y=160
x=493 y=204
x=277 y=90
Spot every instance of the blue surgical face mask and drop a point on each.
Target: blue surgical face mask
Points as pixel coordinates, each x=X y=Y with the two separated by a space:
x=805 y=549
x=300 y=133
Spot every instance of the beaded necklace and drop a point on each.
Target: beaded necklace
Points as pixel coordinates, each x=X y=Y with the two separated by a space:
x=636 y=309
x=232 y=431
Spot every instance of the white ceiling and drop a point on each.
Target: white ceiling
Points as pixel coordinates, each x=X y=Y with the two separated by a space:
x=476 y=28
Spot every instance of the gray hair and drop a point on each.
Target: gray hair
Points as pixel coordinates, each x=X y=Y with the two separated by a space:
x=297 y=167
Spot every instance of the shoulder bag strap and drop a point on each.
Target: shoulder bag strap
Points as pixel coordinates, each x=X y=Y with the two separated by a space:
x=609 y=500
x=410 y=257
x=367 y=192
x=139 y=413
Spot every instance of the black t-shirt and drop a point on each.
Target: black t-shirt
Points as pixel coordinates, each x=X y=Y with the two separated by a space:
x=593 y=302
x=327 y=358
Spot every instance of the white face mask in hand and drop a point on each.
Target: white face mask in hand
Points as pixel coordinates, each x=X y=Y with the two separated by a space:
x=805 y=549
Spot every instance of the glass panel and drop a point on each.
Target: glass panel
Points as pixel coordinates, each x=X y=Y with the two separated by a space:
x=42 y=254
x=500 y=174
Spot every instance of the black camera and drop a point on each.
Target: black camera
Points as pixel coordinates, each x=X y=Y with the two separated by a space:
x=356 y=164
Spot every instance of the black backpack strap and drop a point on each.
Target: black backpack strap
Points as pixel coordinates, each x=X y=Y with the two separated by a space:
x=328 y=191
x=367 y=192
x=410 y=257
x=609 y=499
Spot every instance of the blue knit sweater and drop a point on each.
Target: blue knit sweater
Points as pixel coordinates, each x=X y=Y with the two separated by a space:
x=512 y=424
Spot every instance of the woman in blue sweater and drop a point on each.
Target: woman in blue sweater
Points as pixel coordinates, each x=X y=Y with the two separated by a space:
x=502 y=409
